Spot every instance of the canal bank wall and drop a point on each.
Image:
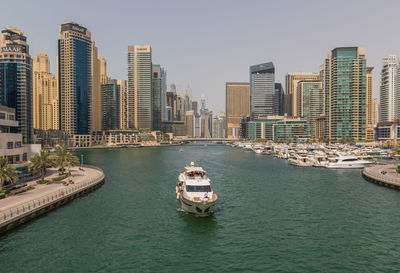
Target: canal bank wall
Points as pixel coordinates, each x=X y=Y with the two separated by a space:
x=26 y=208
x=383 y=175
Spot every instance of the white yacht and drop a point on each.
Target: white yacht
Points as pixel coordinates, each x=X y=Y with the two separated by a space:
x=347 y=162
x=194 y=191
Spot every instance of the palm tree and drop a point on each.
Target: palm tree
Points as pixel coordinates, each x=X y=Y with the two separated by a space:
x=61 y=155
x=42 y=161
x=7 y=172
x=65 y=158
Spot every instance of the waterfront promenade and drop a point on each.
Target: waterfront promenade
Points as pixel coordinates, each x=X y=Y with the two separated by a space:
x=384 y=175
x=17 y=209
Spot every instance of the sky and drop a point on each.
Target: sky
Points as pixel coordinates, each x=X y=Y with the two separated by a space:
x=205 y=44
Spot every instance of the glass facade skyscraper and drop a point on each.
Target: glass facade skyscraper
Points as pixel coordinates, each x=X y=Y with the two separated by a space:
x=16 y=79
x=346 y=93
x=111 y=105
x=156 y=97
x=139 y=95
x=262 y=89
x=75 y=78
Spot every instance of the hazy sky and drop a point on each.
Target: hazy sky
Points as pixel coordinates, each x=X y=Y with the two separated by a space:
x=207 y=43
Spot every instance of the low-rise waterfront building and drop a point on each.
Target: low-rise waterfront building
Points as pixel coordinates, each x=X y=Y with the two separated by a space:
x=278 y=128
x=11 y=142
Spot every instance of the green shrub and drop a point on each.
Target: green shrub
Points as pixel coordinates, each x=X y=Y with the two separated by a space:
x=42 y=181
x=58 y=179
x=2 y=195
x=398 y=169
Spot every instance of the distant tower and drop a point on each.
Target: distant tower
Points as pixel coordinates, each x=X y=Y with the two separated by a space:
x=203 y=109
x=389 y=91
x=262 y=89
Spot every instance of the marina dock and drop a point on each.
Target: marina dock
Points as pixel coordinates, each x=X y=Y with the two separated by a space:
x=21 y=208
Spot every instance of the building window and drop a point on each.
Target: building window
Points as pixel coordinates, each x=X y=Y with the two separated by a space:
x=2 y=116
x=17 y=158
x=11 y=117
x=18 y=144
x=9 y=145
x=10 y=159
x=25 y=157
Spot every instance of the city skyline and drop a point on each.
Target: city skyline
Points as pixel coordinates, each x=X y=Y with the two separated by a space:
x=178 y=35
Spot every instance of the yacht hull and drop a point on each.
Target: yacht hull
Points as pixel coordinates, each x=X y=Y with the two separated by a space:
x=198 y=208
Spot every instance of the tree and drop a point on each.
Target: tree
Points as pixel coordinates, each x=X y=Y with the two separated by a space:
x=7 y=172
x=42 y=161
x=65 y=158
x=396 y=150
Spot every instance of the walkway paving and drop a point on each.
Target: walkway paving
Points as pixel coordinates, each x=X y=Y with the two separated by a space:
x=77 y=176
x=384 y=173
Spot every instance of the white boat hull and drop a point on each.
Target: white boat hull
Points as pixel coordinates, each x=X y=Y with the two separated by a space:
x=347 y=166
x=197 y=208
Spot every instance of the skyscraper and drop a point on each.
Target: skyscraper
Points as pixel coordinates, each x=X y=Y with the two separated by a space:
x=163 y=92
x=16 y=79
x=156 y=97
x=96 y=113
x=237 y=106
x=345 y=93
x=262 y=89
x=389 y=90
x=292 y=79
x=310 y=103
x=122 y=104
x=111 y=105
x=278 y=99
x=45 y=94
x=139 y=87
x=75 y=52
x=188 y=99
x=369 y=129
x=103 y=70
x=375 y=112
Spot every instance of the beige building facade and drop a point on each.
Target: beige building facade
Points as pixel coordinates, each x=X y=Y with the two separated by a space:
x=237 y=106
x=45 y=94
x=292 y=80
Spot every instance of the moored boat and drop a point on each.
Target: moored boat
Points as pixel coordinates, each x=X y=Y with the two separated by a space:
x=194 y=191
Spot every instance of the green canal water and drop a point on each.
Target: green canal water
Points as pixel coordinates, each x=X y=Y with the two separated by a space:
x=271 y=216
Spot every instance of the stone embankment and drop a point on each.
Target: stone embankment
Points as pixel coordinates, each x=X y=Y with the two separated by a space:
x=384 y=175
x=18 y=209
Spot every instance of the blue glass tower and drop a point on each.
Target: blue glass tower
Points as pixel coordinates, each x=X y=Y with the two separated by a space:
x=75 y=78
x=16 y=79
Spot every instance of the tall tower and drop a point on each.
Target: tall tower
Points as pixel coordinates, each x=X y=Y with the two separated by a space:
x=156 y=97
x=111 y=105
x=163 y=92
x=103 y=70
x=188 y=99
x=346 y=93
x=292 y=80
x=16 y=79
x=122 y=104
x=75 y=53
x=45 y=94
x=389 y=90
x=237 y=106
x=262 y=89
x=139 y=87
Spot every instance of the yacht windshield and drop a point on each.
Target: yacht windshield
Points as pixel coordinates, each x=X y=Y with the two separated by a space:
x=198 y=188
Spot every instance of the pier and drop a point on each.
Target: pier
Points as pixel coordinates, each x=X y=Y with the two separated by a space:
x=384 y=175
x=18 y=209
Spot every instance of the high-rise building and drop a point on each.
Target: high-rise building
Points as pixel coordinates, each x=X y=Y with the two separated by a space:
x=96 y=113
x=346 y=93
x=218 y=127
x=139 y=87
x=45 y=94
x=203 y=108
x=206 y=125
x=189 y=123
x=292 y=79
x=180 y=107
x=171 y=111
x=156 y=97
x=278 y=99
x=75 y=71
x=122 y=104
x=195 y=107
x=163 y=92
x=237 y=106
x=16 y=79
x=375 y=112
x=188 y=99
x=369 y=127
x=103 y=70
x=310 y=104
x=111 y=105
x=262 y=90
x=389 y=89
